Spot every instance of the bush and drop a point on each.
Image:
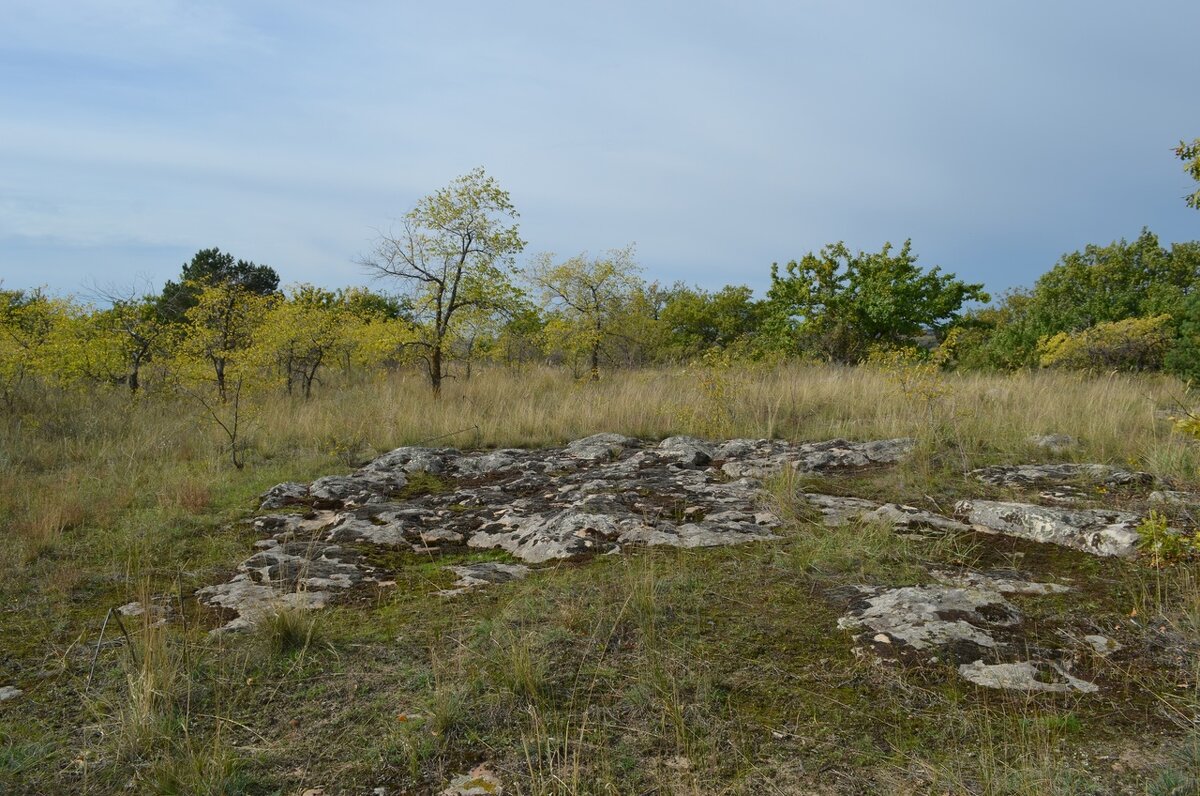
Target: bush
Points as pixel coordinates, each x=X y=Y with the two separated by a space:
x=1133 y=344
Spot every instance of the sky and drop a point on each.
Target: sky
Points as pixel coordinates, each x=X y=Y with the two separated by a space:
x=718 y=137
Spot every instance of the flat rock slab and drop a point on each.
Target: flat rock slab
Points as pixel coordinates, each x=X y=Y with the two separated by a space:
x=285 y=575
x=764 y=458
x=966 y=619
x=837 y=510
x=1039 y=475
x=596 y=495
x=481 y=781
x=1025 y=676
x=1101 y=532
x=484 y=574
x=1055 y=443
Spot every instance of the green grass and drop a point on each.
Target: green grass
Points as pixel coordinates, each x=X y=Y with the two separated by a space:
x=667 y=671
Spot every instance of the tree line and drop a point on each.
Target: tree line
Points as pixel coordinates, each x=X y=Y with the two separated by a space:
x=452 y=297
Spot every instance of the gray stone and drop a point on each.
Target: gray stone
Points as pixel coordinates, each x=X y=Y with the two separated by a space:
x=286 y=526
x=486 y=463
x=840 y=454
x=412 y=460
x=254 y=601
x=1171 y=497
x=1100 y=532
x=1000 y=582
x=357 y=489
x=483 y=574
x=543 y=537
x=299 y=575
x=1034 y=475
x=689 y=451
x=8 y=692
x=481 y=781
x=1055 y=443
x=838 y=511
x=929 y=616
x=288 y=493
x=1102 y=645
x=1025 y=676
x=764 y=458
x=600 y=446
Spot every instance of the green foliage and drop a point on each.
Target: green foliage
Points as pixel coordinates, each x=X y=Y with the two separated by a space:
x=1183 y=358
x=210 y=267
x=839 y=305
x=1097 y=285
x=586 y=299
x=1133 y=344
x=1161 y=544
x=697 y=320
x=453 y=256
x=1190 y=155
x=1123 y=280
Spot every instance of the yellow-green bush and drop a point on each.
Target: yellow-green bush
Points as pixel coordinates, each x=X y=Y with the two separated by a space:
x=1131 y=344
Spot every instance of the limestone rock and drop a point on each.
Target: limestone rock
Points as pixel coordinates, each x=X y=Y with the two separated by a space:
x=543 y=537
x=600 y=446
x=481 y=781
x=8 y=692
x=1002 y=582
x=1055 y=443
x=1035 y=475
x=1025 y=676
x=933 y=615
x=357 y=489
x=292 y=574
x=483 y=574
x=838 y=511
x=840 y=454
x=288 y=493
x=1097 y=531
x=412 y=459
x=690 y=451
x=1102 y=645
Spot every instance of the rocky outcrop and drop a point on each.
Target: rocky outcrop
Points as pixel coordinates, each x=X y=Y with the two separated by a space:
x=837 y=511
x=1039 y=475
x=1055 y=443
x=1025 y=676
x=484 y=573
x=925 y=617
x=964 y=618
x=594 y=496
x=764 y=458
x=1101 y=532
x=298 y=575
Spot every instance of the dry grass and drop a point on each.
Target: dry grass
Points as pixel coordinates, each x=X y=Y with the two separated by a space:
x=653 y=654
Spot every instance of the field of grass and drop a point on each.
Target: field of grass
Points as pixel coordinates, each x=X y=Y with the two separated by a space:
x=664 y=671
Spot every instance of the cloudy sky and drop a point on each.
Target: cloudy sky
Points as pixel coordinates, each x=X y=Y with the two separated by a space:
x=717 y=136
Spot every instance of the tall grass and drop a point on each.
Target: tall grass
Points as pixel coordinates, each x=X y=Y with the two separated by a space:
x=85 y=461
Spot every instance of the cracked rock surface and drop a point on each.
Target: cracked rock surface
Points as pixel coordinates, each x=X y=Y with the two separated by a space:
x=966 y=618
x=1102 y=532
x=1034 y=475
x=595 y=495
x=604 y=493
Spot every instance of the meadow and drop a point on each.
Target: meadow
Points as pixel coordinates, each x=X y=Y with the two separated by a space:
x=667 y=671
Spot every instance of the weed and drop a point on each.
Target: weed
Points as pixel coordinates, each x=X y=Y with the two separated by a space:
x=288 y=629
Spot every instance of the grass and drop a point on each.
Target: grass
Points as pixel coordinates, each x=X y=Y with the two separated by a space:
x=707 y=671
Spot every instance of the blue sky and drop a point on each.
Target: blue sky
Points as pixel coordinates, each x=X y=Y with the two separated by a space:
x=718 y=136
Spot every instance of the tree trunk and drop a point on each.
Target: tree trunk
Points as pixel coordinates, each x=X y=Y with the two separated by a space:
x=596 y=362
x=435 y=370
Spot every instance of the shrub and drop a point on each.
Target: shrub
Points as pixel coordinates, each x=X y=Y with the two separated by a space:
x=1133 y=344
